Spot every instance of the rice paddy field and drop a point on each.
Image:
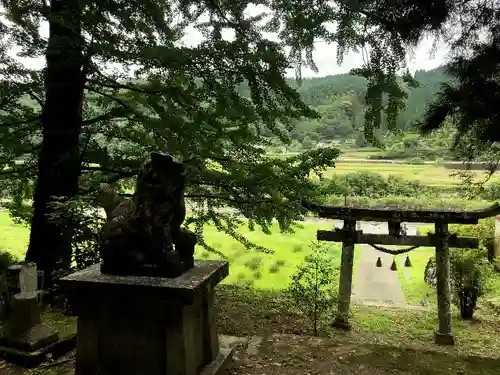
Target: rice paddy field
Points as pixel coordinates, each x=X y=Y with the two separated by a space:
x=427 y=174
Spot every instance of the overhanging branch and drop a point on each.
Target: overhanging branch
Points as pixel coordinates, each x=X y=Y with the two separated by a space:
x=114 y=85
x=112 y=114
x=21 y=122
x=16 y=171
x=115 y=99
x=229 y=199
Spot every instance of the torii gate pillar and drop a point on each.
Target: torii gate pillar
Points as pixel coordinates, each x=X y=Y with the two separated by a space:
x=346 y=268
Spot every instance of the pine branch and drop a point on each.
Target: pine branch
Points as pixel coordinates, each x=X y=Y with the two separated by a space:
x=228 y=199
x=117 y=175
x=114 y=98
x=114 y=85
x=21 y=122
x=16 y=171
x=36 y=98
x=112 y=114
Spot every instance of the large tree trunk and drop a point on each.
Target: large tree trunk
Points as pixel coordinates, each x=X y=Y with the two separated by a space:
x=59 y=162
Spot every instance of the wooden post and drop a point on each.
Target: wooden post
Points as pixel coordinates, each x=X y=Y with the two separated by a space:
x=346 y=267
x=443 y=334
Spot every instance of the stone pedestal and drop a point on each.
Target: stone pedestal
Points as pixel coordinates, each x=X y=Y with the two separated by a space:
x=134 y=325
x=24 y=330
x=23 y=336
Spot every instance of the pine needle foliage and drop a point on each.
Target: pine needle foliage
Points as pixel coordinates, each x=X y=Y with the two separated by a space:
x=119 y=83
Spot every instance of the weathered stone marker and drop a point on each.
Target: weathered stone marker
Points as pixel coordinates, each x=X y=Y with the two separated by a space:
x=24 y=331
x=135 y=325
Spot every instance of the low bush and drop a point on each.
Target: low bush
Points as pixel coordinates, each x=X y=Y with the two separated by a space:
x=6 y=259
x=471 y=272
x=403 y=203
x=491 y=191
x=312 y=287
x=257 y=275
x=274 y=268
x=253 y=263
x=471 y=277
x=372 y=185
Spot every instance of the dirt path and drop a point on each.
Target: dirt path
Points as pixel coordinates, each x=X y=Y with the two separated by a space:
x=371 y=283
x=379 y=284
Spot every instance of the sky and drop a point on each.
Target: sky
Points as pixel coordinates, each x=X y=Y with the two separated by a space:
x=425 y=57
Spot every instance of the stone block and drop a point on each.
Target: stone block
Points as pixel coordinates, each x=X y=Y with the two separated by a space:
x=131 y=325
x=23 y=337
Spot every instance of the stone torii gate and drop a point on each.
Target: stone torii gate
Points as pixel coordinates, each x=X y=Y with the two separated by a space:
x=441 y=239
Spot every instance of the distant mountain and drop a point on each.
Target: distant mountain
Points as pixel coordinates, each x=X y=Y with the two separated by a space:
x=323 y=90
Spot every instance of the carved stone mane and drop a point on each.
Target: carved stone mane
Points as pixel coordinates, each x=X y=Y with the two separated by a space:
x=143 y=235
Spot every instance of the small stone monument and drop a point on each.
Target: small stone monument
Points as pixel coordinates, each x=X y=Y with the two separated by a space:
x=148 y=308
x=23 y=332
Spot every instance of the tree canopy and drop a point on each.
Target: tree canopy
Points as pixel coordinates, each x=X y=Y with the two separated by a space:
x=471 y=98
x=119 y=83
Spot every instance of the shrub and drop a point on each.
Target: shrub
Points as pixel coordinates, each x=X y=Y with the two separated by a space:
x=404 y=203
x=274 y=268
x=471 y=277
x=491 y=191
x=484 y=231
x=6 y=259
x=312 y=286
x=253 y=263
x=257 y=275
x=297 y=249
x=471 y=273
x=244 y=283
x=372 y=185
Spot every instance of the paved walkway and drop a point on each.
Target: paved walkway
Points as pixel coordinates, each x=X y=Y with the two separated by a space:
x=377 y=284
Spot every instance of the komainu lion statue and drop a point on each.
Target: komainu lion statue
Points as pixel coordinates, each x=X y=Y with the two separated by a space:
x=143 y=235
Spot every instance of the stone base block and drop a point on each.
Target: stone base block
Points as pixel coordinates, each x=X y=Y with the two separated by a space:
x=31 y=340
x=444 y=339
x=136 y=325
x=217 y=366
x=33 y=358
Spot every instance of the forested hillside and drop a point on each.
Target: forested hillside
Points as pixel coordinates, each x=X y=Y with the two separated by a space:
x=340 y=101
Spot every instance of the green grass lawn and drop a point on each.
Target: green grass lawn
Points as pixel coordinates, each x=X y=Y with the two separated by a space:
x=431 y=175
x=266 y=271
x=13 y=237
x=414 y=287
